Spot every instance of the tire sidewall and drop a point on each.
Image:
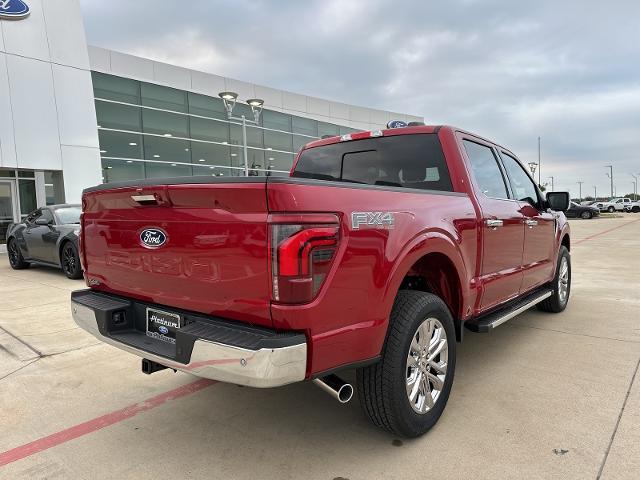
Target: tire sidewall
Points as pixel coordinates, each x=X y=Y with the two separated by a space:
x=560 y=306
x=19 y=263
x=413 y=423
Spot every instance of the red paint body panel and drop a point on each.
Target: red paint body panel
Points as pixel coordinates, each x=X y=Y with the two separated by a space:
x=217 y=259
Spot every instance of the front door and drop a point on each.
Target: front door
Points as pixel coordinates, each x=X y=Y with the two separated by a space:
x=539 y=259
x=502 y=231
x=8 y=210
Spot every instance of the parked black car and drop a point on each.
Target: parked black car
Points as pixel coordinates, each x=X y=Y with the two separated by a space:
x=582 y=211
x=48 y=236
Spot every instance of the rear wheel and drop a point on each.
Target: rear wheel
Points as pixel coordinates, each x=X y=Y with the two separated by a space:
x=15 y=256
x=407 y=391
x=586 y=215
x=558 y=300
x=611 y=209
x=70 y=261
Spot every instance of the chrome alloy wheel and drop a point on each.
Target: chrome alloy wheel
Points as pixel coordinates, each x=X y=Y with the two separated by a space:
x=426 y=365
x=563 y=280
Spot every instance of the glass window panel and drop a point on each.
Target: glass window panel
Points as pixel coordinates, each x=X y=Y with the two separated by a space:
x=163 y=123
x=306 y=126
x=299 y=142
x=7 y=173
x=254 y=136
x=167 y=149
x=156 y=170
x=278 y=141
x=212 y=130
x=206 y=106
x=121 y=117
x=216 y=171
x=521 y=184
x=210 y=154
x=328 y=129
x=242 y=109
x=279 y=161
x=256 y=161
x=276 y=120
x=26 y=174
x=486 y=170
x=27 y=192
x=118 y=144
x=164 y=97
x=345 y=130
x=121 y=170
x=116 y=88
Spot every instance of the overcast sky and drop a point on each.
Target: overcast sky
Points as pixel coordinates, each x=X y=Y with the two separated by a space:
x=566 y=71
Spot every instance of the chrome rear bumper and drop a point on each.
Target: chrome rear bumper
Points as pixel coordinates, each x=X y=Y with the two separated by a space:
x=263 y=368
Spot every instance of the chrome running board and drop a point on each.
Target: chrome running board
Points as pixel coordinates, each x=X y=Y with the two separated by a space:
x=488 y=322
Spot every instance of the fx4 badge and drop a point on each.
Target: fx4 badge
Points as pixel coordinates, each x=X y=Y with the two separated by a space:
x=384 y=220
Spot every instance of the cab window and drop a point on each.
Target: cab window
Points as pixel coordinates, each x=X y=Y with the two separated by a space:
x=486 y=170
x=522 y=186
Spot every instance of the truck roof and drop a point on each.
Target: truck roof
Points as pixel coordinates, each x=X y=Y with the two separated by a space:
x=387 y=132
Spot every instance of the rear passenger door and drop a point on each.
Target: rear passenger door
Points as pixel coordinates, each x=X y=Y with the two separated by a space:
x=538 y=260
x=502 y=232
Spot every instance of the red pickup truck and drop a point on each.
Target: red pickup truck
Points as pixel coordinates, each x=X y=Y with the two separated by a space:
x=376 y=253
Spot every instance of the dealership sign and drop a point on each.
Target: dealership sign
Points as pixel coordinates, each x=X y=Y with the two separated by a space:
x=13 y=9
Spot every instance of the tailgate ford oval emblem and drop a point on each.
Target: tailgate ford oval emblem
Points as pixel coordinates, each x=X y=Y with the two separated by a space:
x=153 y=237
x=163 y=330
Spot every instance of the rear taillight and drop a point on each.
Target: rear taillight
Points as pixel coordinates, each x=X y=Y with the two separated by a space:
x=302 y=251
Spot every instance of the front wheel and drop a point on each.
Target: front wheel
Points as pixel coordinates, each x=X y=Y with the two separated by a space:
x=16 y=259
x=561 y=284
x=71 y=261
x=586 y=215
x=407 y=390
x=611 y=209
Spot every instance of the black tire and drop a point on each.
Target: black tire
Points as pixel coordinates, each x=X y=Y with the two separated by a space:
x=556 y=303
x=635 y=209
x=382 y=387
x=586 y=215
x=70 y=261
x=611 y=209
x=16 y=260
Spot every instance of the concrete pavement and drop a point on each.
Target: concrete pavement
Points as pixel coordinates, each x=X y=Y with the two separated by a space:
x=544 y=396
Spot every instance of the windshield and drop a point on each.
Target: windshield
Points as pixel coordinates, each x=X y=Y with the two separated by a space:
x=68 y=215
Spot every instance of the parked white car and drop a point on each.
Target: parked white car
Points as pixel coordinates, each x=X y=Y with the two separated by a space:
x=614 y=205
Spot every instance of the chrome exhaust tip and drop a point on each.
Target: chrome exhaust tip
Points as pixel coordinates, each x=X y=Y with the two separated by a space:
x=336 y=387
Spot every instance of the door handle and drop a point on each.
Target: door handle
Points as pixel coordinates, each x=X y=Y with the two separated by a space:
x=531 y=223
x=493 y=223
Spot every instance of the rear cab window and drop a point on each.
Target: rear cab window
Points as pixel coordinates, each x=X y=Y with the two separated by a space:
x=407 y=161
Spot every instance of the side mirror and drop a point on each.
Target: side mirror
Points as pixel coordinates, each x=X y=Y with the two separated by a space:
x=558 y=201
x=43 y=222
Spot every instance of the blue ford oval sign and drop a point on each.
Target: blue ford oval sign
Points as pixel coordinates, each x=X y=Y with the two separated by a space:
x=13 y=9
x=153 y=237
x=163 y=330
x=396 y=124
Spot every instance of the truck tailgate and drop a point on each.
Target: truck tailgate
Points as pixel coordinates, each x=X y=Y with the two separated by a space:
x=197 y=247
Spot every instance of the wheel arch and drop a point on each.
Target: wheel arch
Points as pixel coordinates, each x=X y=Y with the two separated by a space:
x=435 y=265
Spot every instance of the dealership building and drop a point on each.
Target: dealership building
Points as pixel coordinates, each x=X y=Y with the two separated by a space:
x=73 y=116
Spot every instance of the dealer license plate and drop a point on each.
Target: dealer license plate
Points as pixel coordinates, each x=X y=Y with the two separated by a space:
x=163 y=325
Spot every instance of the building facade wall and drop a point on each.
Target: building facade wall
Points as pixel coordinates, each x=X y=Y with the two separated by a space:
x=47 y=115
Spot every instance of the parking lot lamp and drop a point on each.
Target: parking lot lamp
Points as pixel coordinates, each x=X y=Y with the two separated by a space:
x=635 y=186
x=610 y=175
x=532 y=167
x=229 y=99
x=595 y=193
x=551 y=183
x=580 y=187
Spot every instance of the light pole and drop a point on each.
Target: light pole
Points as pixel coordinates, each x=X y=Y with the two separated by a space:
x=580 y=194
x=532 y=167
x=256 y=104
x=610 y=167
x=635 y=186
x=595 y=193
x=551 y=183
x=539 y=164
